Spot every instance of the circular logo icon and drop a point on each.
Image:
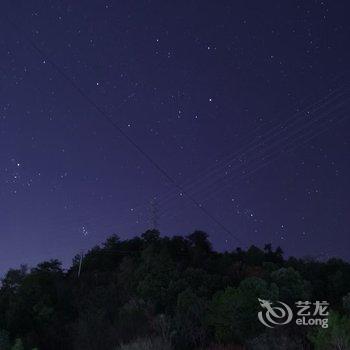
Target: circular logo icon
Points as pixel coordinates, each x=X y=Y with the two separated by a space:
x=275 y=314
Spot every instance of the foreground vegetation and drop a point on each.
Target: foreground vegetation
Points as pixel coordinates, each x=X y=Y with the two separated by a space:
x=153 y=292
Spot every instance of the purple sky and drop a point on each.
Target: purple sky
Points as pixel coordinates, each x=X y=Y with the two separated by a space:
x=244 y=104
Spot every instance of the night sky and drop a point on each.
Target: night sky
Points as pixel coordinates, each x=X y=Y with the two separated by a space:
x=244 y=104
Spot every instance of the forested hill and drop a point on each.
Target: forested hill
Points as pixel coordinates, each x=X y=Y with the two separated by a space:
x=153 y=292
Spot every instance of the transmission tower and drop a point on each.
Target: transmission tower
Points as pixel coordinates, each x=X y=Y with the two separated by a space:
x=154 y=214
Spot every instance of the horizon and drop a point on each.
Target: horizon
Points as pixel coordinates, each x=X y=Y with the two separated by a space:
x=66 y=265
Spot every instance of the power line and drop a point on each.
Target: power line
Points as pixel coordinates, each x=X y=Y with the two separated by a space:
x=278 y=144
x=243 y=174
x=269 y=160
x=115 y=125
x=245 y=149
x=268 y=143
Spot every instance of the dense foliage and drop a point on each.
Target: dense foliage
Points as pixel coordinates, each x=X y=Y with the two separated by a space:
x=153 y=292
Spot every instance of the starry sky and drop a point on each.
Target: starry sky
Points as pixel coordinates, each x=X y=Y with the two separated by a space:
x=244 y=104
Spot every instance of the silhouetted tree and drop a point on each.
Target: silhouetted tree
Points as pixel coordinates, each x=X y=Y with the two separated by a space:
x=171 y=292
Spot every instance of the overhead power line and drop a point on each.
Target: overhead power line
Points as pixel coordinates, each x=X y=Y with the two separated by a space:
x=115 y=125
